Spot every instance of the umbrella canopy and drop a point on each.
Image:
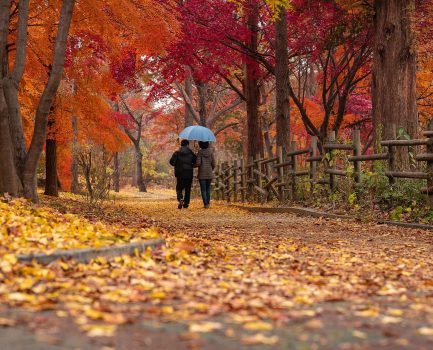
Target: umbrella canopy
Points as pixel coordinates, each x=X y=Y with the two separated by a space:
x=197 y=133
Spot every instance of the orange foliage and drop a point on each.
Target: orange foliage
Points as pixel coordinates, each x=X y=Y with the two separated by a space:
x=101 y=28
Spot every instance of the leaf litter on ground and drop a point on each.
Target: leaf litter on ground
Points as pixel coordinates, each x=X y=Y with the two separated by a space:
x=261 y=272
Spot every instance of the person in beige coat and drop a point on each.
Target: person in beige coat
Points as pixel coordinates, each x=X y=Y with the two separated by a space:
x=206 y=164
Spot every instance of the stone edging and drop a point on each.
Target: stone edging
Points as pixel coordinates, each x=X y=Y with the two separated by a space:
x=406 y=224
x=295 y=210
x=87 y=254
x=320 y=214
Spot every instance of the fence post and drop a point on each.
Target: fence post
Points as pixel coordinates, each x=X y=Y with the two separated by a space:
x=251 y=180
x=430 y=168
x=357 y=152
x=228 y=183
x=235 y=181
x=243 y=182
x=391 y=153
x=331 y=139
x=313 y=164
x=217 y=182
x=223 y=180
x=259 y=178
x=268 y=172
x=294 y=169
x=280 y=174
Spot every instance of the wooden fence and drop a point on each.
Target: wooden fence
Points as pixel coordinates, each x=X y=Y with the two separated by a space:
x=265 y=179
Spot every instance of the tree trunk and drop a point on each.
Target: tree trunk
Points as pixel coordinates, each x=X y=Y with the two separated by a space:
x=201 y=92
x=74 y=164
x=139 y=169
x=11 y=85
x=254 y=132
x=394 y=72
x=45 y=103
x=189 y=117
x=51 y=183
x=134 y=177
x=267 y=137
x=9 y=182
x=116 y=173
x=86 y=170
x=8 y=176
x=282 y=103
x=265 y=124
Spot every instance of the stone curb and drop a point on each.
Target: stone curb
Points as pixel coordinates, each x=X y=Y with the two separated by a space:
x=321 y=214
x=406 y=224
x=87 y=254
x=296 y=211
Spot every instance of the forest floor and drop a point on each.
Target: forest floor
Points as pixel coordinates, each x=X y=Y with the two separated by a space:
x=228 y=279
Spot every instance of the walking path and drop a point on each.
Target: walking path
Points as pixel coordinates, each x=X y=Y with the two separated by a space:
x=230 y=279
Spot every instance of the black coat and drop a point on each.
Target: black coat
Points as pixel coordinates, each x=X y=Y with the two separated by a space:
x=183 y=161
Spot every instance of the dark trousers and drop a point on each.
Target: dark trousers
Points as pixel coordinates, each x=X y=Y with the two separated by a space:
x=205 y=191
x=184 y=184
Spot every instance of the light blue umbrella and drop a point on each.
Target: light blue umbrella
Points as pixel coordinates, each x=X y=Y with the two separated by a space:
x=197 y=133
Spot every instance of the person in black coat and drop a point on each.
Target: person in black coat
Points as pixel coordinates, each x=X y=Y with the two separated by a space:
x=183 y=161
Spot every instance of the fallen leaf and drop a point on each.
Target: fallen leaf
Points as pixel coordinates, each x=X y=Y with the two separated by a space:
x=258 y=326
x=259 y=339
x=204 y=327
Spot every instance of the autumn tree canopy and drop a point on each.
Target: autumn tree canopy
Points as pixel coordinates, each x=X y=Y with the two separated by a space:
x=258 y=73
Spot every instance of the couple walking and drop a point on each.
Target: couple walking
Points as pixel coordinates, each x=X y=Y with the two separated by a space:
x=184 y=161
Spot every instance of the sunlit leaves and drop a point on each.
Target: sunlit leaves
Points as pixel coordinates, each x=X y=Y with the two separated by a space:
x=25 y=229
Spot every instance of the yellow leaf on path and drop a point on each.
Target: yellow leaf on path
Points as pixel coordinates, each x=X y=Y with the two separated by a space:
x=167 y=310
x=100 y=330
x=259 y=339
x=237 y=318
x=359 y=334
x=302 y=300
x=10 y=258
x=425 y=331
x=27 y=283
x=114 y=318
x=224 y=284
x=370 y=312
x=391 y=319
x=204 y=327
x=21 y=297
x=395 y=312
x=258 y=326
x=158 y=295
x=7 y=261
x=7 y=322
x=61 y=313
x=94 y=314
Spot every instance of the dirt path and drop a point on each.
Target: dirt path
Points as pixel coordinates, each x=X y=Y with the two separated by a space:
x=232 y=280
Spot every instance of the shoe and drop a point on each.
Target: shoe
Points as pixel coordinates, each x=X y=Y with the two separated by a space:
x=179 y=206
x=207 y=206
x=185 y=206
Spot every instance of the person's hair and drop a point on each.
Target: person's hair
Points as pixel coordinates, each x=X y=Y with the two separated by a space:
x=203 y=145
x=184 y=143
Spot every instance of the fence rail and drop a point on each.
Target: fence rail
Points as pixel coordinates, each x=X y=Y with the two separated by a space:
x=265 y=179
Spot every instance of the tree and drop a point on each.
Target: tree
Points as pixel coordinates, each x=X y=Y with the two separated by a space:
x=8 y=175
x=282 y=102
x=26 y=169
x=133 y=127
x=251 y=86
x=51 y=178
x=394 y=71
x=214 y=102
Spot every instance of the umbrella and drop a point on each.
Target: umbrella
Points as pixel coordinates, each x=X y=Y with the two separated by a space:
x=197 y=133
